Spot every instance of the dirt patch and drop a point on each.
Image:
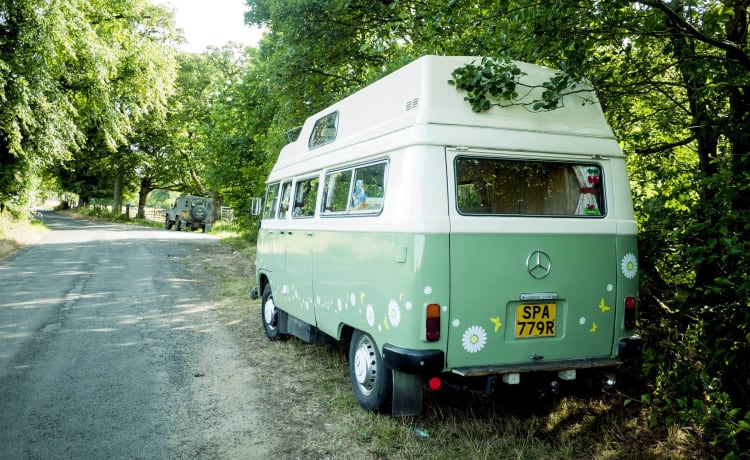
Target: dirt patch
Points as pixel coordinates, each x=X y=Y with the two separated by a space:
x=17 y=234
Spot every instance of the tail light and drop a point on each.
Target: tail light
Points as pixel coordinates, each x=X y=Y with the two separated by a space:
x=432 y=324
x=630 y=312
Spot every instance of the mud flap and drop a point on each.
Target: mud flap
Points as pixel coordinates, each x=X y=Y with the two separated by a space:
x=407 y=394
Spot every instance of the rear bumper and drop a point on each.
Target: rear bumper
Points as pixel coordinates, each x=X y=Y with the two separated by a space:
x=413 y=361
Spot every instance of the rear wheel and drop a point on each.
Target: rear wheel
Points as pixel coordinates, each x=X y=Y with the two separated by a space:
x=371 y=380
x=178 y=225
x=270 y=315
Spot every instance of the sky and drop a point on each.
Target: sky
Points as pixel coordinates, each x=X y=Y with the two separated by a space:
x=212 y=23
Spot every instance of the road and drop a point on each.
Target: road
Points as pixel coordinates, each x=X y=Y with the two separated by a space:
x=109 y=349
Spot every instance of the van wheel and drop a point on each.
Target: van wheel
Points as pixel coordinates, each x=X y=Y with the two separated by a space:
x=270 y=315
x=178 y=225
x=168 y=223
x=371 y=381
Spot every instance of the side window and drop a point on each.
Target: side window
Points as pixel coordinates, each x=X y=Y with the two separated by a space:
x=369 y=185
x=324 y=131
x=286 y=188
x=337 y=191
x=358 y=190
x=305 y=195
x=272 y=198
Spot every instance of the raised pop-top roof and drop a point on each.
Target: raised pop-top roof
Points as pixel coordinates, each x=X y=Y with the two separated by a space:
x=419 y=94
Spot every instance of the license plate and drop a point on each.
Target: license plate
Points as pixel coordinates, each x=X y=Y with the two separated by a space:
x=536 y=320
x=184 y=213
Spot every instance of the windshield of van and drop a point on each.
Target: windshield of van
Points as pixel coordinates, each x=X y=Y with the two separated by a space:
x=498 y=186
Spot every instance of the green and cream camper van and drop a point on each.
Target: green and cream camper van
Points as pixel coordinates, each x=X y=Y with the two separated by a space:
x=445 y=244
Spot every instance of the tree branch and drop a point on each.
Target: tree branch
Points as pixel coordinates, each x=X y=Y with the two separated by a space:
x=688 y=28
x=662 y=147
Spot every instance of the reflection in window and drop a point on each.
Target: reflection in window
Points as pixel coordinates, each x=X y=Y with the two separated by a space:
x=324 y=131
x=305 y=195
x=284 y=203
x=272 y=197
x=355 y=190
x=500 y=186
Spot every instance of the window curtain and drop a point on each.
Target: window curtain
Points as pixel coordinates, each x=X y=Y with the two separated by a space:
x=589 y=178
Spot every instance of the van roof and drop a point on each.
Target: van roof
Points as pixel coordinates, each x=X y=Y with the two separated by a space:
x=419 y=94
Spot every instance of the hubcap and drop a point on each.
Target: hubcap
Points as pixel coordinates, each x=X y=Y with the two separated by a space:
x=365 y=367
x=269 y=313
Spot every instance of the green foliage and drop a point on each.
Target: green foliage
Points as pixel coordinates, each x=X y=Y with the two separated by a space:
x=500 y=80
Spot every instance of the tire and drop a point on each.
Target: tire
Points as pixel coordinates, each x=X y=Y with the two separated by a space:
x=199 y=212
x=270 y=315
x=168 y=223
x=178 y=225
x=372 y=382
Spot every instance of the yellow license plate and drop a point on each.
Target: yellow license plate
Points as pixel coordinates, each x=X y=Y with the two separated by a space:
x=536 y=320
x=184 y=213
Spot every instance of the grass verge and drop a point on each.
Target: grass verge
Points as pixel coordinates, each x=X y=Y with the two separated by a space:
x=311 y=412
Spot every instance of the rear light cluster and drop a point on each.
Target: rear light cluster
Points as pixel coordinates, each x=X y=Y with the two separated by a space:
x=432 y=323
x=630 y=305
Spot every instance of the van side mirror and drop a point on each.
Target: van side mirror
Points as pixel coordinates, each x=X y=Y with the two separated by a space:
x=256 y=204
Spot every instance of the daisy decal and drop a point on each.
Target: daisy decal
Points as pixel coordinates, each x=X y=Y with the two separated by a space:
x=629 y=266
x=428 y=290
x=582 y=320
x=394 y=313
x=408 y=305
x=370 y=315
x=474 y=339
x=456 y=322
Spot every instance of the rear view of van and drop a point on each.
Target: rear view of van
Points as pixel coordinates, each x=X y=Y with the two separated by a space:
x=445 y=244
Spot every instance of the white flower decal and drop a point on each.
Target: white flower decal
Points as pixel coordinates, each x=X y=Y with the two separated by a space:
x=408 y=305
x=341 y=306
x=582 y=320
x=428 y=290
x=370 y=315
x=353 y=299
x=456 y=322
x=629 y=266
x=474 y=339
x=394 y=313
x=610 y=287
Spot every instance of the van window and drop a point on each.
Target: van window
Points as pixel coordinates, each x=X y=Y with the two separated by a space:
x=286 y=189
x=358 y=190
x=543 y=188
x=305 y=194
x=324 y=131
x=272 y=198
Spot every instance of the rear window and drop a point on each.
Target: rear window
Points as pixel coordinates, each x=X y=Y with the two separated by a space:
x=496 y=186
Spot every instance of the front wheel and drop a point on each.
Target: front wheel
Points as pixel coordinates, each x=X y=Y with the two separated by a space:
x=168 y=223
x=270 y=315
x=372 y=382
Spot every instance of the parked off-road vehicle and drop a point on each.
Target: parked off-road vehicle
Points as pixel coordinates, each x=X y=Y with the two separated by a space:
x=190 y=211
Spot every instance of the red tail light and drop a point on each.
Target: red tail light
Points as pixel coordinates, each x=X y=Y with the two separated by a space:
x=630 y=305
x=432 y=326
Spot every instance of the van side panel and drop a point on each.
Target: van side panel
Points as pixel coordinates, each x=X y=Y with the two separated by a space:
x=380 y=283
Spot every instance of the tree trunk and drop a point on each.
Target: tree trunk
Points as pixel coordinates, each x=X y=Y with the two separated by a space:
x=146 y=188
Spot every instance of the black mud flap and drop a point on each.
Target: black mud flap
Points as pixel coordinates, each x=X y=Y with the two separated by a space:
x=407 y=394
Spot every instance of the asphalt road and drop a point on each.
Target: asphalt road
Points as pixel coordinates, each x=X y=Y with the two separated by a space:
x=109 y=349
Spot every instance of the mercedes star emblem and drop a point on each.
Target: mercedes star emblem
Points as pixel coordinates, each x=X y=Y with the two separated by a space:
x=538 y=264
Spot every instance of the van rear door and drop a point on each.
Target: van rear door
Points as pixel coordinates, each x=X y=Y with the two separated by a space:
x=533 y=262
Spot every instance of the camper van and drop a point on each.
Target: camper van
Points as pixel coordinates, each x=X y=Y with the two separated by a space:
x=449 y=245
